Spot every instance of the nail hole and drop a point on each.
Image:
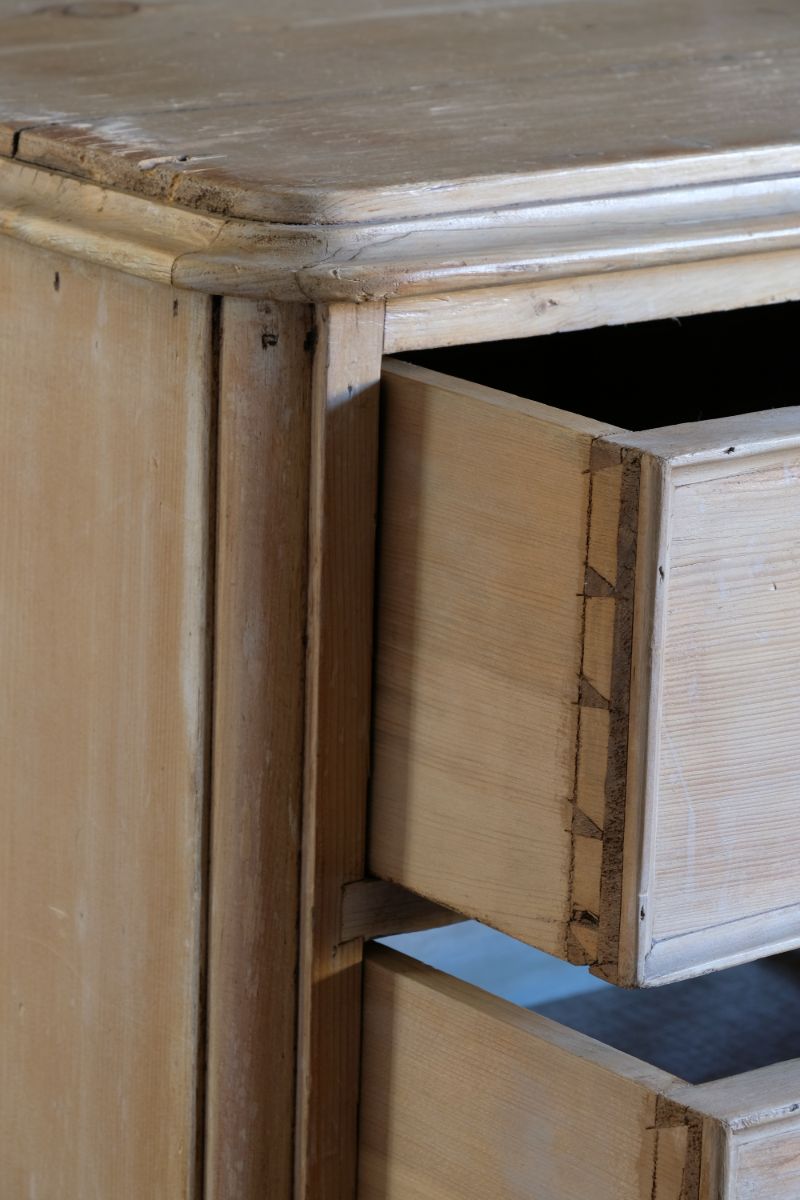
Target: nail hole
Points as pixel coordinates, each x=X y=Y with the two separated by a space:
x=92 y=8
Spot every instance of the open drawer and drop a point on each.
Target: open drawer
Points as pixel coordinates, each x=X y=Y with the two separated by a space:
x=587 y=714
x=465 y=1096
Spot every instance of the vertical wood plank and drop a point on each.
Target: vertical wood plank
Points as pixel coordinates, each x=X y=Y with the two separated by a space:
x=106 y=394
x=262 y=485
x=341 y=548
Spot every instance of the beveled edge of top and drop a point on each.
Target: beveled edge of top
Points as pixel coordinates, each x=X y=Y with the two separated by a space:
x=557 y=236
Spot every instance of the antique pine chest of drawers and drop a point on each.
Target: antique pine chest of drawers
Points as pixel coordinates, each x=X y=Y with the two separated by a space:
x=320 y=622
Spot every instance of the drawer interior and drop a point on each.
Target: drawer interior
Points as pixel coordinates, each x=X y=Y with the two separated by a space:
x=466 y=1096
x=699 y=1029
x=644 y=375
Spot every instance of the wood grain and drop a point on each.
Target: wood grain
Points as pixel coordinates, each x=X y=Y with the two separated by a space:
x=752 y=1133
x=402 y=108
x=260 y=602
x=728 y=762
x=564 y=653
x=480 y=628
x=539 y=308
x=709 y=767
x=739 y=224
x=106 y=394
x=344 y=470
x=765 y=1162
x=373 y=908
x=466 y=1096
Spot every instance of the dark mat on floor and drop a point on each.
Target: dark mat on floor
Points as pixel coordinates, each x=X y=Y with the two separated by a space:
x=723 y=1024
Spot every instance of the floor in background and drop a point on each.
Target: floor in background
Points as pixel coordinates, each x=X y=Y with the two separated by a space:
x=496 y=963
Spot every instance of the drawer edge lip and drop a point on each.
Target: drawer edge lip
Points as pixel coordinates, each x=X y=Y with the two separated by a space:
x=745 y=940
x=400 y=368
x=723 y=442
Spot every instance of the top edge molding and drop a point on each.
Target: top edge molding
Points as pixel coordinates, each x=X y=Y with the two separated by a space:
x=365 y=261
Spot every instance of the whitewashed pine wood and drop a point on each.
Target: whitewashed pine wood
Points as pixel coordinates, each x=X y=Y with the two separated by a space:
x=479 y=650
x=105 y=408
x=373 y=908
x=586 y=648
x=263 y=448
x=752 y=1133
x=719 y=757
x=703 y=246
x=619 y=297
x=467 y=1096
x=303 y=113
x=345 y=383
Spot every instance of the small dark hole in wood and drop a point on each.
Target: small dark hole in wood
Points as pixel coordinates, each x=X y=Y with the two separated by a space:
x=92 y=8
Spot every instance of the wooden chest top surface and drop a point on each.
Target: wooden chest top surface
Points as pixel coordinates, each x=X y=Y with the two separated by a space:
x=371 y=110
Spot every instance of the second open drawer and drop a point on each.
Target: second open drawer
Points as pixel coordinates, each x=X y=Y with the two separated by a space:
x=465 y=1096
x=587 y=716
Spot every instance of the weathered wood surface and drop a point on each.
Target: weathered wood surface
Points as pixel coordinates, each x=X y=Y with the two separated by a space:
x=479 y=663
x=105 y=406
x=296 y=113
x=466 y=1096
x=344 y=475
x=373 y=908
x=738 y=223
x=714 y=865
x=586 y=648
x=614 y=298
x=752 y=1133
x=260 y=620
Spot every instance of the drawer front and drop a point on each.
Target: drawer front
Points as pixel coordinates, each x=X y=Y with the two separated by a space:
x=587 y=728
x=466 y=1096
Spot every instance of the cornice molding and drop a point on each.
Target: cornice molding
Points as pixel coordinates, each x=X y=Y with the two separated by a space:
x=365 y=261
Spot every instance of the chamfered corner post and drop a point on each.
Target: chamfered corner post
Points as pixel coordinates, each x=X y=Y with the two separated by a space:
x=342 y=523
x=265 y=354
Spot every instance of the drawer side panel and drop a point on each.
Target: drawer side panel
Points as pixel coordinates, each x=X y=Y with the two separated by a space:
x=465 y=1096
x=481 y=612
